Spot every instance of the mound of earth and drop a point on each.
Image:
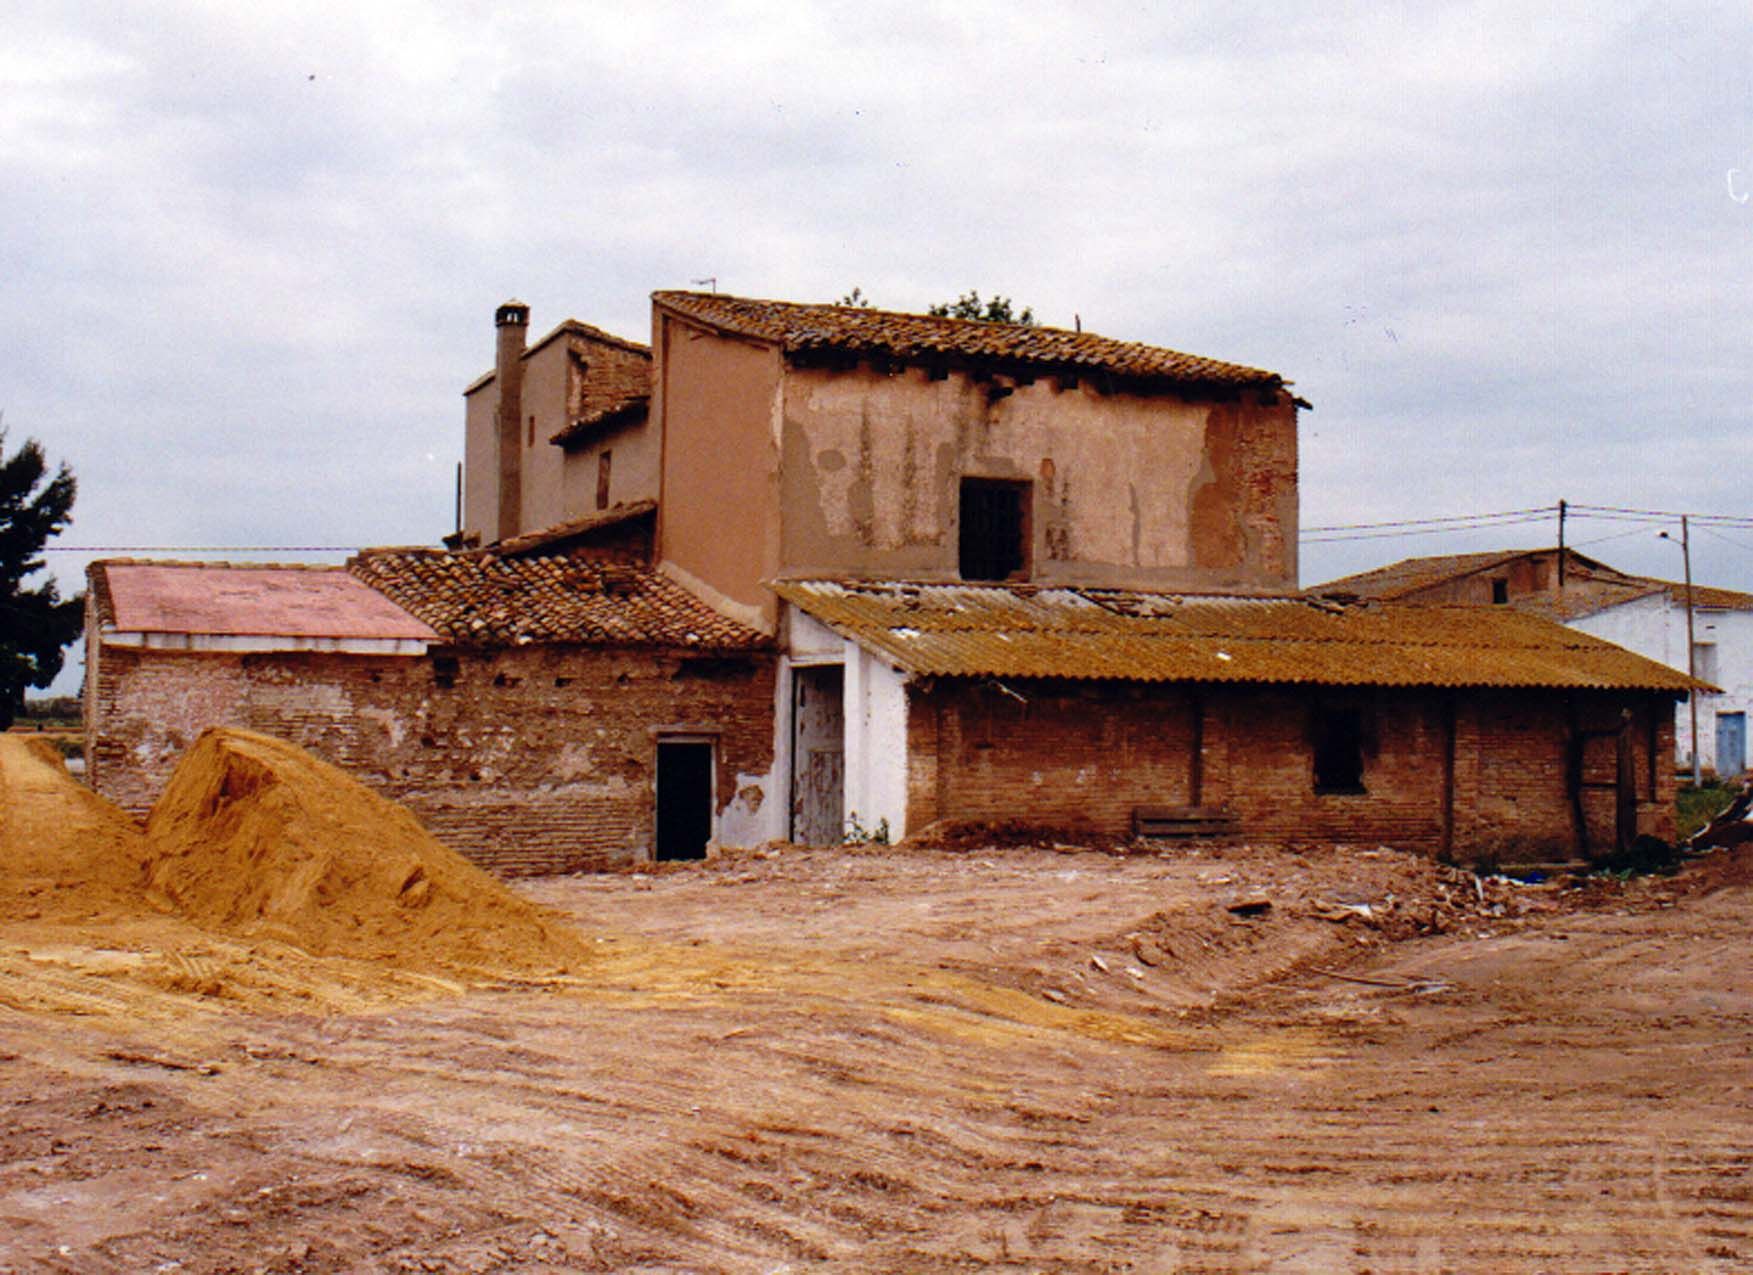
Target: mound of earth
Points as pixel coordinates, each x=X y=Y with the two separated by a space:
x=66 y=854
x=255 y=837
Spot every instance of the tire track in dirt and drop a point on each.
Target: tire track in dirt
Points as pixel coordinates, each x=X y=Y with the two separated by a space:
x=1571 y=1104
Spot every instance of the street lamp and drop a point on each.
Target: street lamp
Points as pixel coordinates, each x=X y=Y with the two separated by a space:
x=1691 y=650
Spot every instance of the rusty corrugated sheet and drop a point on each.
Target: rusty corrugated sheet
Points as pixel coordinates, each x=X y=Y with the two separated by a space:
x=797 y=328
x=1024 y=631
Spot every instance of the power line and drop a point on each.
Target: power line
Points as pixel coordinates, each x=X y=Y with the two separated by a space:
x=204 y=548
x=1617 y=535
x=1543 y=510
x=1397 y=532
x=1734 y=520
x=1728 y=540
x=1390 y=528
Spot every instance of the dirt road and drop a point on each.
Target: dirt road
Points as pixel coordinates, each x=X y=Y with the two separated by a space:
x=884 y=1061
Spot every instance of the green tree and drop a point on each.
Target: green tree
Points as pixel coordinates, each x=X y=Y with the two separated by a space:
x=36 y=624
x=995 y=310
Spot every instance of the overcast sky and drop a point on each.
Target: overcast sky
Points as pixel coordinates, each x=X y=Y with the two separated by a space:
x=249 y=255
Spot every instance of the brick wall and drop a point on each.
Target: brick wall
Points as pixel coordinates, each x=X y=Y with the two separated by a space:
x=1070 y=757
x=538 y=759
x=1083 y=755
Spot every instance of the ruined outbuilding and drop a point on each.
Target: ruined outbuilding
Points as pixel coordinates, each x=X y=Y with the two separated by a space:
x=537 y=714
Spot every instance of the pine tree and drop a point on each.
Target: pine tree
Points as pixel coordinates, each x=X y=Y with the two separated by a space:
x=36 y=624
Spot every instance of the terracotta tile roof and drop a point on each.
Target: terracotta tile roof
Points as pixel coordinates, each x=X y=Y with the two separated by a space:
x=925 y=338
x=1605 y=586
x=484 y=600
x=571 y=529
x=609 y=407
x=1023 y=631
x=1704 y=595
x=1409 y=575
x=221 y=599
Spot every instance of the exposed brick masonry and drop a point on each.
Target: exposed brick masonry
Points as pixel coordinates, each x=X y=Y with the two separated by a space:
x=536 y=759
x=1084 y=755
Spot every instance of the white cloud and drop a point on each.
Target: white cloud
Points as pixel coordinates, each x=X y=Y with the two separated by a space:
x=251 y=252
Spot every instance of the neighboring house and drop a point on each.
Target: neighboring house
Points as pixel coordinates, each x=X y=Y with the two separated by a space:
x=556 y=431
x=1639 y=613
x=909 y=570
x=538 y=714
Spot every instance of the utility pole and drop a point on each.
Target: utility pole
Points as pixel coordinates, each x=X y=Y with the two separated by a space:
x=1562 y=509
x=1691 y=650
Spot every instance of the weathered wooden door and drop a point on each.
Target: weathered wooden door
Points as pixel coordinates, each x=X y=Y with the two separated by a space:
x=1731 y=744
x=818 y=754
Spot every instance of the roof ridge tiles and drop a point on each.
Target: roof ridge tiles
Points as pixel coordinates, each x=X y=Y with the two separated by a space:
x=798 y=326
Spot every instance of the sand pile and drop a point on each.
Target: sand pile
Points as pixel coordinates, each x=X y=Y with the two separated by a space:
x=66 y=854
x=255 y=837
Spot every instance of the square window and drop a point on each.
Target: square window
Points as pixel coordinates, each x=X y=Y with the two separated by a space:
x=994 y=530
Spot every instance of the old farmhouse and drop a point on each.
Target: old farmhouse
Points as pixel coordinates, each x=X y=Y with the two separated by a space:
x=904 y=571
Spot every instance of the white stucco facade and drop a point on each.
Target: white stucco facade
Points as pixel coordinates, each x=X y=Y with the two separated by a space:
x=874 y=703
x=1655 y=626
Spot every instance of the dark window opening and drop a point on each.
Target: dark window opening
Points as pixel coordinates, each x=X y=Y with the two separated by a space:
x=532 y=441
x=1500 y=591
x=937 y=372
x=994 y=536
x=1338 y=750
x=444 y=671
x=684 y=799
x=603 y=479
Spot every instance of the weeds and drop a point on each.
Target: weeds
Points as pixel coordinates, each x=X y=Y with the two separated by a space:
x=1698 y=806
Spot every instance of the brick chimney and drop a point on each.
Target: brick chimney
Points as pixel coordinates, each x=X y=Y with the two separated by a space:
x=513 y=321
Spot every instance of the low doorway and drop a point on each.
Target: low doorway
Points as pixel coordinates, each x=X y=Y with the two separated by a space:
x=684 y=798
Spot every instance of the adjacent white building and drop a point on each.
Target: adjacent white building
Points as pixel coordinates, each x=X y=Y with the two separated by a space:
x=1654 y=625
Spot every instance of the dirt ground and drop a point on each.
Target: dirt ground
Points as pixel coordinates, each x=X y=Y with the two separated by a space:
x=1028 y=1059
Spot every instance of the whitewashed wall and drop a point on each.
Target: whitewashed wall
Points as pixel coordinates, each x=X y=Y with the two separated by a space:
x=1655 y=626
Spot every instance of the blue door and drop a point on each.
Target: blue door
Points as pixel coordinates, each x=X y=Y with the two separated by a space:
x=1731 y=744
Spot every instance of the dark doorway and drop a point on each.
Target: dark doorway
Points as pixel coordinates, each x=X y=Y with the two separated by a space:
x=994 y=532
x=684 y=799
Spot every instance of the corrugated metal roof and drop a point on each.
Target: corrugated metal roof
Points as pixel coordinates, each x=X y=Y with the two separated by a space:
x=796 y=328
x=219 y=599
x=947 y=630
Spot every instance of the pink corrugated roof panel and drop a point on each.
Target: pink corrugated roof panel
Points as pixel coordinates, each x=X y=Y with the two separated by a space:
x=239 y=601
